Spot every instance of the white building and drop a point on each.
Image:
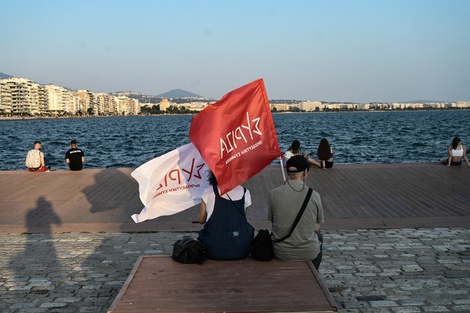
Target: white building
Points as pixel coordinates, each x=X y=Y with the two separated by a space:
x=19 y=96
x=23 y=96
x=311 y=106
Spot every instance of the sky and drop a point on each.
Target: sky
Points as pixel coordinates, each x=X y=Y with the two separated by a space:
x=335 y=50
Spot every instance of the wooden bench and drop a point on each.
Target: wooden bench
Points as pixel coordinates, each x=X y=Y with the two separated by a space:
x=160 y=284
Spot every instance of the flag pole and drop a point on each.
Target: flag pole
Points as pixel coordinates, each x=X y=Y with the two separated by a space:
x=282 y=169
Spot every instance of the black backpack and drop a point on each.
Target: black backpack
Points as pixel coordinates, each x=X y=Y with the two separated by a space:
x=262 y=247
x=189 y=250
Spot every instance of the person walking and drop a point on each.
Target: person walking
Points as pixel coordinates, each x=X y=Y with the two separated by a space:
x=74 y=157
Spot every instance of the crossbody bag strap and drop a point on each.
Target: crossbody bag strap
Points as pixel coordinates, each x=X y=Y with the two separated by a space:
x=299 y=215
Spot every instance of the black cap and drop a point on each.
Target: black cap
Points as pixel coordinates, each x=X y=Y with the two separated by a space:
x=296 y=164
x=73 y=142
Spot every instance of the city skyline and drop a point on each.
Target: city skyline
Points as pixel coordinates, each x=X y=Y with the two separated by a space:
x=361 y=51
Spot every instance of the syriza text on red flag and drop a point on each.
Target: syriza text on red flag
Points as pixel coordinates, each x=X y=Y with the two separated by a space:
x=236 y=136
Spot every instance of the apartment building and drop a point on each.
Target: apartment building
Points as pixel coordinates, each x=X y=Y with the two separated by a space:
x=164 y=104
x=127 y=106
x=86 y=101
x=57 y=99
x=310 y=106
x=21 y=96
x=280 y=106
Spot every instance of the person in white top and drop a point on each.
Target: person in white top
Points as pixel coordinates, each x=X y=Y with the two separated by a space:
x=456 y=151
x=295 y=149
x=208 y=201
x=227 y=235
x=39 y=156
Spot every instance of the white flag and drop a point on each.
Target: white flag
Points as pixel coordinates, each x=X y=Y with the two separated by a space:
x=171 y=183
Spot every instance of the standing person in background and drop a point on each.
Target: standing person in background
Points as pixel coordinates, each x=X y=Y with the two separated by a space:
x=74 y=157
x=324 y=154
x=456 y=152
x=35 y=159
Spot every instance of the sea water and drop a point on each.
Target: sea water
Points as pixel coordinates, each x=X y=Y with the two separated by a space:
x=356 y=137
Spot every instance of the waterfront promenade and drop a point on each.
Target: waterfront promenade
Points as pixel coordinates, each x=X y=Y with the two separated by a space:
x=397 y=237
x=354 y=196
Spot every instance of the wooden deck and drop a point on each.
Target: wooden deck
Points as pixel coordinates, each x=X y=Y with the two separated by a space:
x=159 y=284
x=354 y=196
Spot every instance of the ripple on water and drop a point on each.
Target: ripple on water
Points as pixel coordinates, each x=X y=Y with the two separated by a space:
x=357 y=137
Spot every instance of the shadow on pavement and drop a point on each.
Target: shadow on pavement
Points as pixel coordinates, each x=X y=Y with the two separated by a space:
x=36 y=272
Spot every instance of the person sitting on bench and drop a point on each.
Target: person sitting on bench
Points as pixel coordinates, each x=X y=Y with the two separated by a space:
x=227 y=234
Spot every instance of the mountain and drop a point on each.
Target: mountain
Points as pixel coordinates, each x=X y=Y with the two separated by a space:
x=179 y=93
x=2 y=75
x=175 y=93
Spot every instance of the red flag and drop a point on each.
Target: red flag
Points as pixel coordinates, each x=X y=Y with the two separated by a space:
x=236 y=136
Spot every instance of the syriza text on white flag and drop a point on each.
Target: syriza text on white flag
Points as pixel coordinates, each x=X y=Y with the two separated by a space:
x=171 y=183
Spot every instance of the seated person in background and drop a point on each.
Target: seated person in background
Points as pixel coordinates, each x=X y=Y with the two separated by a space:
x=285 y=202
x=227 y=234
x=324 y=154
x=35 y=159
x=295 y=149
x=74 y=157
x=456 y=152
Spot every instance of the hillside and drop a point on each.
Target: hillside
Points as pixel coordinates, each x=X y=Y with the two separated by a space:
x=179 y=93
x=3 y=75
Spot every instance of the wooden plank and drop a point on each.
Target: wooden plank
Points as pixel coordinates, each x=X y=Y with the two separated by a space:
x=104 y=199
x=159 y=284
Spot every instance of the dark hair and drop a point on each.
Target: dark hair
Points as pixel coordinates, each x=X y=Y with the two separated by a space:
x=212 y=179
x=295 y=146
x=324 y=150
x=455 y=142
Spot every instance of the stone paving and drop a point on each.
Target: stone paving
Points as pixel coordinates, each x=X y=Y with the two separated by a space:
x=381 y=271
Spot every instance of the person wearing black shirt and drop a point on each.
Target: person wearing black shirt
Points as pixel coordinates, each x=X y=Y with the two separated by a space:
x=74 y=157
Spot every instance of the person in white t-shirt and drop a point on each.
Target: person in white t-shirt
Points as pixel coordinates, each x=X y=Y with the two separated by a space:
x=296 y=149
x=227 y=234
x=39 y=155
